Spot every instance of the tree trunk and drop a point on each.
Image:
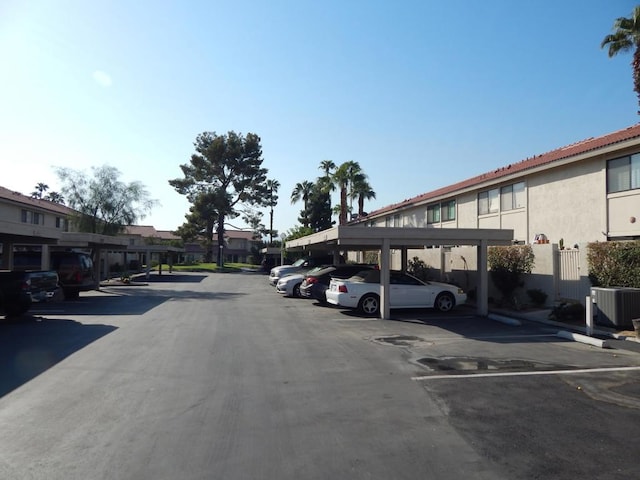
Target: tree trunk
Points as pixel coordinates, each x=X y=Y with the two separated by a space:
x=221 y=240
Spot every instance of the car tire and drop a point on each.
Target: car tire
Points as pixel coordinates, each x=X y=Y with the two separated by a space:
x=296 y=290
x=369 y=304
x=445 y=302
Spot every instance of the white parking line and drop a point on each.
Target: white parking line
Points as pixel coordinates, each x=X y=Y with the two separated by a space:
x=523 y=374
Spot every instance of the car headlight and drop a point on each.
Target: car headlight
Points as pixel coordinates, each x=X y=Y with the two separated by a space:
x=460 y=291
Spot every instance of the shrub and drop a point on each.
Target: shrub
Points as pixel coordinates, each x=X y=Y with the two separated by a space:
x=507 y=265
x=614 y=264
x=568 y=311
x=418 y=268
x=537 y=296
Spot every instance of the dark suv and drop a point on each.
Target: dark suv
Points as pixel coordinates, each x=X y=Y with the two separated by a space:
x=75 y=271
x=315 y=285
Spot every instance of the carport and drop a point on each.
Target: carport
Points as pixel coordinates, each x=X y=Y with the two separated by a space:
x=353 y=238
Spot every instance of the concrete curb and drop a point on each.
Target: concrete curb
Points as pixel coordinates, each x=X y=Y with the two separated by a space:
x=576 y=337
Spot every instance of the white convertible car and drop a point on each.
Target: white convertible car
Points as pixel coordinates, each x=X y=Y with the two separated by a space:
x=362 y=291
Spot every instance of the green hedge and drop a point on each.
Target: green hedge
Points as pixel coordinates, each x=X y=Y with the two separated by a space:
x=507 y=266
x=614 y=264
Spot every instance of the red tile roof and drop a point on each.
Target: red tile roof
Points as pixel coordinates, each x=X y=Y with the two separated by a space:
x=572 y=150
x=39 y=203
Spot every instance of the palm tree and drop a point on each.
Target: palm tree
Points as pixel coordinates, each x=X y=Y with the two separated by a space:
x=626 y=37
x=302 y=190
x=272 y=201
x=362 y=191
x=343 y=178
x=55 y=197
x=327 y=166
x=340 y=179
x=40 y=189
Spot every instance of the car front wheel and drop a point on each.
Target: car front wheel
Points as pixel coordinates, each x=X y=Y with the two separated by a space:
x=296 y=290
x=445 y=302
x=369 y=304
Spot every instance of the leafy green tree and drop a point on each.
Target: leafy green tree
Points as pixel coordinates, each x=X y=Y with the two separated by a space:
x=105 y=204
x=318 y=211
x=298 y=232
x=253 y=218
x=302 y=191
x=200 y=223
x=272 y=201
x=229 y=169
x=625 y=38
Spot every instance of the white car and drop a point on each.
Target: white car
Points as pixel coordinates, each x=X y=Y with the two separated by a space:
x=362 y=291
x=289 y=285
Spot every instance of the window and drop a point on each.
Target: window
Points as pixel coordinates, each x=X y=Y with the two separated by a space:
x=433 y=213
x=488 y=201
x=396 y=221
x=387 y=222
x=449 y=211
x=512 y=196
x=27 y=216
x=623 y=173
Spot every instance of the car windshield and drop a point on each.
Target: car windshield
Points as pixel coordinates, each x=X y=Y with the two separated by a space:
x=299 y=262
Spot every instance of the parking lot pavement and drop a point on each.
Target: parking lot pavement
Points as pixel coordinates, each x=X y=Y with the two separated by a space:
x=462 y=343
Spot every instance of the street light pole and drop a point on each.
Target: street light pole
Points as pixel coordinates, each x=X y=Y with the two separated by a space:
x=282 y=237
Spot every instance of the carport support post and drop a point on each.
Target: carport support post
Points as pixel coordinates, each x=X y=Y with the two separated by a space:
x=482 y=297
x=404 y=258
x=7 y=256
x=385 y=254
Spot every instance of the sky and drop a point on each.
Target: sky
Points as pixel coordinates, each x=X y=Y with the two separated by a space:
x=421 y=93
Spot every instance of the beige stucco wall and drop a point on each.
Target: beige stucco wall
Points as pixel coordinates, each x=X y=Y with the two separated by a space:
x=569 y=203
x=624 y=214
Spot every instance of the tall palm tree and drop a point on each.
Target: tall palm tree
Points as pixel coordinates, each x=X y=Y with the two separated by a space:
x=362 y=191
x=55 y=197
x=626 y=37
x=340 y=178
x=272 y=201
x=40 y=189
x=327 y=166
x=302 y=191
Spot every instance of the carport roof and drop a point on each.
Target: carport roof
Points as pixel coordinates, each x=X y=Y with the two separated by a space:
x=355 y=237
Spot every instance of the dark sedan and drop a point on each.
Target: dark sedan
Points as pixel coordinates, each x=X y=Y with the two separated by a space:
x=315 y=285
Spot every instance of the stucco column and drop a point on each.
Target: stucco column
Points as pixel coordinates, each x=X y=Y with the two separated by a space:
x=45 y=258
x=385 y=262
x=7 y=256
x=98 y=267
x=482 y=294
x=403 y=258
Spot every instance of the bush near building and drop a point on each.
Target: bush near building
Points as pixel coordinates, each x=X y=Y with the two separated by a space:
x=507 y=266
x=614 y=264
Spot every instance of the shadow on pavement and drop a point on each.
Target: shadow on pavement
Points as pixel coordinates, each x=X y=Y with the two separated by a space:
x=30 y=346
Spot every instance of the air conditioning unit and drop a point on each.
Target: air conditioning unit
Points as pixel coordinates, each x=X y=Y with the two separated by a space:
x=616 y=306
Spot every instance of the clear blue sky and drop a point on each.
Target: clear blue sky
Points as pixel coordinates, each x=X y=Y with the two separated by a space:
x=421 y=93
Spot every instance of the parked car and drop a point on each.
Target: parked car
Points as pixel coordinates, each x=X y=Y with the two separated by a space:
x=301 y=265
x=362 y=291
x=76 y=272
x=20 y=288
x=289 y=285
x=316 y=283
x=75 y=269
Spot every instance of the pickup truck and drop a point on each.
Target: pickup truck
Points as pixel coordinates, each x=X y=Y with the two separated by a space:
x=19 y=289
